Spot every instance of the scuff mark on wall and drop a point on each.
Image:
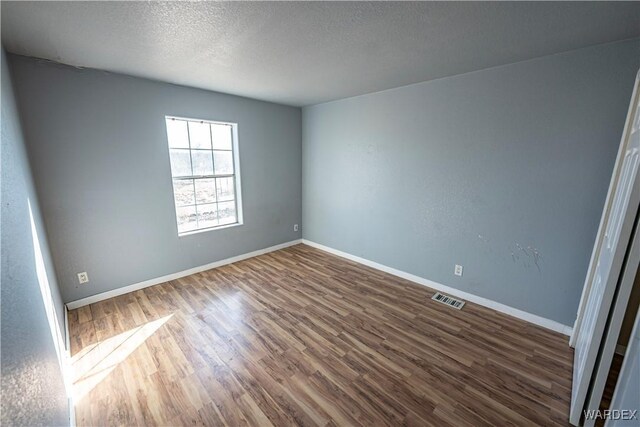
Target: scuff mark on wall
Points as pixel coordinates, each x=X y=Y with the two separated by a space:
x=536 y=257
x=529 y=256
x=520 y=248
x=484 y=240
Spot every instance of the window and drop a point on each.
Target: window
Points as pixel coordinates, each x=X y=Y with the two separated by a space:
x=204 y=168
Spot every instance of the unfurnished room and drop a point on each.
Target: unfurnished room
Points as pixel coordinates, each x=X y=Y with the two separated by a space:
x=332 y=213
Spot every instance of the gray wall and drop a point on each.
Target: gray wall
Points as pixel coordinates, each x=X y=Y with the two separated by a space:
x=98 y=148
x=504 y=171
x=33 y=390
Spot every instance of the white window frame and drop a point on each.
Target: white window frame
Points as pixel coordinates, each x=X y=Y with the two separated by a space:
x=236 y=175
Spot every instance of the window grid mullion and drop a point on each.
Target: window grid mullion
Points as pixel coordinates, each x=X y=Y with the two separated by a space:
x=215 y=180
x=203 y=176
x=200 y=204
x=210 y=149
x=193 y=181
x=235 y=189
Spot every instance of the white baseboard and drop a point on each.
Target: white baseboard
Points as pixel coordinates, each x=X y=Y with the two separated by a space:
x=531 y=318
x=574 y=336
x=151 y=282
x=67 y=338
x=67 y=371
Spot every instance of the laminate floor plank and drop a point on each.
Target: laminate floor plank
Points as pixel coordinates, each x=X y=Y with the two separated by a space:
x=302 y=337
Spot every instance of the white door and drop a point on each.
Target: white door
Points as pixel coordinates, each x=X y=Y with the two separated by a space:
x=627 y=393
x=615 y=177
x=614 y=245
x=618 y=311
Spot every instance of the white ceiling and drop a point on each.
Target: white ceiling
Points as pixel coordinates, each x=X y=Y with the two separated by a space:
x=303 y=53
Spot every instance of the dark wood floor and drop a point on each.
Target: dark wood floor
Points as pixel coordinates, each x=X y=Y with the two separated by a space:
x=301 y=337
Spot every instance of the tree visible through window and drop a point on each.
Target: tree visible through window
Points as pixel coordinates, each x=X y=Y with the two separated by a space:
x=203 y=168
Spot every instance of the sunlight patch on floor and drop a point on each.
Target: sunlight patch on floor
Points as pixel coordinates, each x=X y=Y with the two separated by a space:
x=95 y=362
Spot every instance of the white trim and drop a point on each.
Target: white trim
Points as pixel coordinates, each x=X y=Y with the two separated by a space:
x=235 y=175
x=621 y=349
x=624 y=386
x=613 y=185
x=151 y=282
x=610 y=345
x=531 y=318
x=206 y=230
x=67 y=370
x=67 y=337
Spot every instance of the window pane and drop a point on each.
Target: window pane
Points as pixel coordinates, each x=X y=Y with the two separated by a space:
x=197 y=149
x=223 y=161
x=205 y=190
x=177 y=133
x=221 y=137
x=227 y=212
x=207 y=215
x=180 y=162
x=202 y=162
x=186 y=219
x=183 y=192
x=199 y=135
x=225 y=189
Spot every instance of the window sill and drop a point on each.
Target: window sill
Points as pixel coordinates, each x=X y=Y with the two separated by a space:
x=206 y=230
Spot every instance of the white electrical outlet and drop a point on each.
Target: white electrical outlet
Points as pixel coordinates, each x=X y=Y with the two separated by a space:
x=458 y=270
x=83 y=277
x=295 y=227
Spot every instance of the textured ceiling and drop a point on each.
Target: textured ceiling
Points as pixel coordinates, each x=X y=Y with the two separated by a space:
x=306 y=52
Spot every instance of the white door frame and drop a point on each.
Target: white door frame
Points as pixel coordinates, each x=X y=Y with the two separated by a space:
x=626 y=379
x=613 y=185
x=615 y=245
x=613 y=332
